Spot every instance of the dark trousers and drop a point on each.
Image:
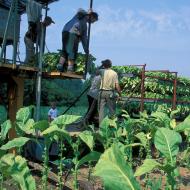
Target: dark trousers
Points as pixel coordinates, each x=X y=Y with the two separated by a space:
x=92 y=109
x=70 y=43
x=106 y=98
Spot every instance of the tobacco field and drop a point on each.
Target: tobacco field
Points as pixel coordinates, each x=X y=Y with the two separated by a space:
x=124 y=153
x=137 y=150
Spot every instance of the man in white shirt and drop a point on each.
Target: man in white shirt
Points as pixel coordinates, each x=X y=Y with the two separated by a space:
x=109 y=86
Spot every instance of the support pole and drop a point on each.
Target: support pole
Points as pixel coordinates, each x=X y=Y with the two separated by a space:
x=88 y=43
x=6 y=30
x=142 y=88
x=15 y=42
x=174 y=92
x=39 y=75
x=46 y=10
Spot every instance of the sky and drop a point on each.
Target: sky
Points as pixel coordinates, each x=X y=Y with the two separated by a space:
x=129 y=32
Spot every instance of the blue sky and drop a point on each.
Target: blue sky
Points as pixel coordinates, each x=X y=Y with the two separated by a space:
x=155 y=32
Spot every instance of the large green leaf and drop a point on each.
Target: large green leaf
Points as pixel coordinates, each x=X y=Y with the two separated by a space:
x=29 y=129
x=16 y=167
x=105 y=123
x=142 y=137
x=92 y=156
x=25 y=128
x=148 y=165
x=114 y=171
x=65 y=120
x=41 y=125
x=24 y=114
x=185 y=125
x=55 y=130
x=124 y=148
x=105 y=130
x=87 y=138
x=161 y=119
x=5 y=128
x=15 y=143
x=167 y=142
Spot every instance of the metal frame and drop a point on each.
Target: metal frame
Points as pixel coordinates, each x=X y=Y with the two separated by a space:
x=143 y=76
x=174 y=81
x=13 y=11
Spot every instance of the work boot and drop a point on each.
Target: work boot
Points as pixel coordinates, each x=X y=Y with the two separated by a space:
x=70 y=69
x=60 y=68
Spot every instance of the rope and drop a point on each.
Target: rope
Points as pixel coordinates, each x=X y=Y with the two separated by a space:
x=76 y=100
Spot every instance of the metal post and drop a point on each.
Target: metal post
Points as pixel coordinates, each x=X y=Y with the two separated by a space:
x=88 y=43
x=174 y=92
x=46 y=10
x=6 y=30
x=15 y=42
x=142 y=88
x=39 y=76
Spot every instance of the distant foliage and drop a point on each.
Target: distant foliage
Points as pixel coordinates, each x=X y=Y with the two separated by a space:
x=130 y=82
x=50 y=61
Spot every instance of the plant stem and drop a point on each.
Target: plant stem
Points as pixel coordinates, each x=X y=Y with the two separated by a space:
x=171 y=180
x=61 y=166
x=1 y=181
x=148 y=148
x=76 y=153
x=45 y=169
x=76 y=177
x=90 y=171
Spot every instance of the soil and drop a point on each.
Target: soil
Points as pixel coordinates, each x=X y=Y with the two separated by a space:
x=183 y=180
x=95 y=183
x=36 y=170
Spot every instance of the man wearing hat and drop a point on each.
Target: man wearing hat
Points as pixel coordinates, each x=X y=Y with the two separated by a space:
x=73 y=32
x=108 y=88
x=32 y=37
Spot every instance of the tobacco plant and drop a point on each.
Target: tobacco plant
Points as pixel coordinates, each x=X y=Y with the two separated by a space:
x=167 y=142
x=115 y=171
x=184 y=127
x=56 y=131
x=11 y=165
x=60 y=135
x=57 y=128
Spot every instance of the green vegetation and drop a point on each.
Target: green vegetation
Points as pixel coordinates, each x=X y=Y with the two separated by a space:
x=130 y=81
x=3 y=114
x=133 y=146
x=154 y=88
x=63 y=92
x=50 y=61
x=116 y=164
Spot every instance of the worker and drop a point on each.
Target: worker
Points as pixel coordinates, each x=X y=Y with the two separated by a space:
x=32 y=37
x=108 y=88
x=92 y=96
x=52 y=113
x=73 y=32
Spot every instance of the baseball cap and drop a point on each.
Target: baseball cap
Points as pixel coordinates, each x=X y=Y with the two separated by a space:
x=94 y=15
x=49 y=19
x=82 y=11
x=107 y=63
